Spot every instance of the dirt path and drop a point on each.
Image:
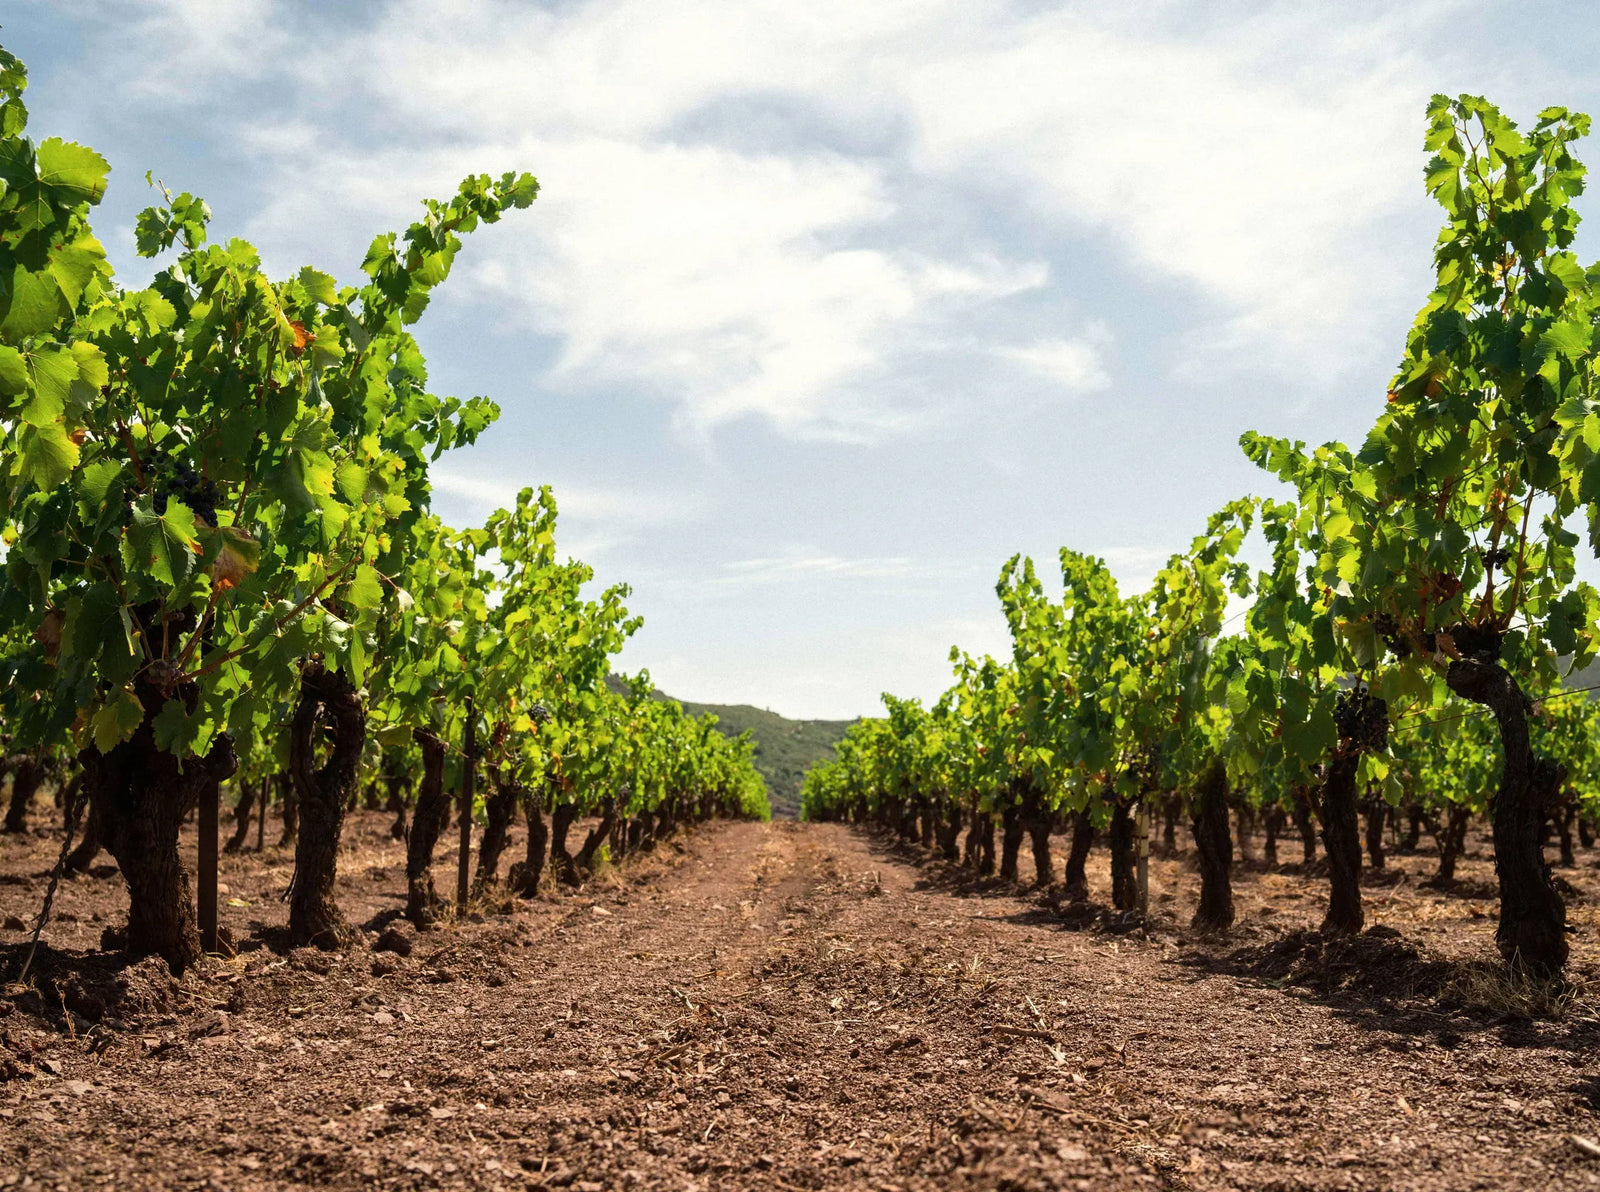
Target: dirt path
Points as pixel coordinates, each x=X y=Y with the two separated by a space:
x=785 y=1006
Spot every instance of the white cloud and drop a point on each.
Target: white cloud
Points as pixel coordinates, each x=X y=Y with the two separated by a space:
x=1243 y=161
x=1250 y=164
x=1072 y=364
x=178 y=49
x=615 y=508
x=1135 y=567
x=805 y=567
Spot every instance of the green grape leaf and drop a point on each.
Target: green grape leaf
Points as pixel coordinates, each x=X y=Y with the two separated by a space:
x=161 y=545
x=48 y=455
x=76 y=172
x=117 y=721
x=30 y=304
x=365 y=589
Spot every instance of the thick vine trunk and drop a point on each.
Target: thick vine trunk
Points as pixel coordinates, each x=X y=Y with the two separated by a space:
x=1124 y=877
x=27 y=774
x=1215 y=849
x=906 y=819
x=969 y=851
x=1246 y=819
x=1272 y=823
x=1300 y=810
x=328 y=700
x=584 y=862
x=1532 y=931
x=566 y=869
x=427 y=821
x=1170 y=810
x=930 y=828
x=643 y=832
x=289 y=805
x=1585 y=832
x=1039 y=824
x=1451 y=838
x=1377 y=816
x=498 y=810
x=1010 y=841
x=1341 y=836
x=396 y=805
x=88 y=848
x=525 y=874
x=241 y=817
x=1413 y=833
x=139 y=795
x=984 y=827
x=950 y=833
x=1078 y=856
x=1561 y=819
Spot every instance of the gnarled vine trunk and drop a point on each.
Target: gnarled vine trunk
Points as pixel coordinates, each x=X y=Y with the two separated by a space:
x=396 y=805
x=1078 y=856
x=1170 y=811
x=1124 y=878
x=969 y=851
x=584 y=862
x=1215 y=849
x=241 y=817
x=1012 y=832
x=27 y=775
x=1272 y=824
x=1300 y=809
x=1246 y=819
x=525 y=874
x=1039 y=824
x=983 y=825
x=1413 y=833
x=1377 y=816
x=427 y=821
x=289 y=807
x=950 y=834
x=329 y=701
x=88 y=848
x=1532 y=931
x=139 y=795
x=498 y=810
x=1341 y=836
x=1451 y=837
x=561 y=861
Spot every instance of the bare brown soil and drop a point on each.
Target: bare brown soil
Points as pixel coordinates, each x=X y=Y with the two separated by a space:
x=799 y=1006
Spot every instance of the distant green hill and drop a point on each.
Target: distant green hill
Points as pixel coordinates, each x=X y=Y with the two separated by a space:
x=785 y=749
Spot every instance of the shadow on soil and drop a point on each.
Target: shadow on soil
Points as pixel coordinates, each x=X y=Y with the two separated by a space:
x=1377 y=981
x=1382 y=982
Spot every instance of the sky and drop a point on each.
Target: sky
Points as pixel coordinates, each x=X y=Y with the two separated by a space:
x=827 y=309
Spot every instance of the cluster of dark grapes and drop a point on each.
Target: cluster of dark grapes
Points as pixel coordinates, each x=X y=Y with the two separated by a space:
x=184 y=485
x=1398 y=643
x=1497 y=558
x=1478 y=642
x=172 y=479
x=1362 y=719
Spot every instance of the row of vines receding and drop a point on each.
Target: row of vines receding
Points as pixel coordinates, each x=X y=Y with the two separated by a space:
x=1407 y=642
x=221 y=567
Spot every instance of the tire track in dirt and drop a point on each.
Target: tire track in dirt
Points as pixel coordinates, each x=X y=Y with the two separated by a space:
x=787 y=1006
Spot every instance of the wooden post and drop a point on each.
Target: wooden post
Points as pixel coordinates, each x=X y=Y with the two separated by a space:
x=210 y=796
x=469 y=760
